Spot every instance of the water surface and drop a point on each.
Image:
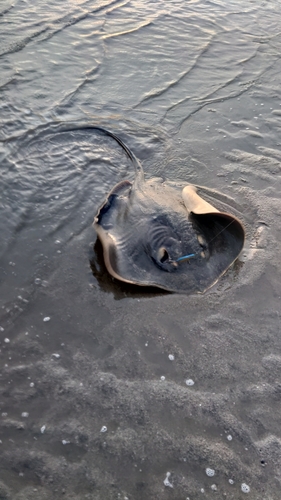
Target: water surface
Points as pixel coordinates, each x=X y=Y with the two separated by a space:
x=193 y=88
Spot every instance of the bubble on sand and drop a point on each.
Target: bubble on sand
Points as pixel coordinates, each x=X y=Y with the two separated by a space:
x=162 y=377
x=1 y=329
x=47 y=318
x=231 y=481
x=65 y=442
x=55 y=355
x=43 y=428
x=210 y=472
x=25 y=414
x=189 y=382
x=166 y=480
x=171 y=357
x=31 y=384
x=214 y=487
x=6 y=340
x=245 y=488
x=22 y=299
x=104 y=428
x=229 y=437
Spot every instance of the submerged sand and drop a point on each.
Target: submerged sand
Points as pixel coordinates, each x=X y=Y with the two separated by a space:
x=109 y=392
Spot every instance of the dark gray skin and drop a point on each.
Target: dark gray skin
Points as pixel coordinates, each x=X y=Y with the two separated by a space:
x=146 y=226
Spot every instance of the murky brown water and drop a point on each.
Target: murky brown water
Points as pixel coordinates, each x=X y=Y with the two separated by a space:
x=193 y=88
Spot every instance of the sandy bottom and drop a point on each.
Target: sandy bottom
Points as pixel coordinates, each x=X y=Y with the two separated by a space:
x=112 y=393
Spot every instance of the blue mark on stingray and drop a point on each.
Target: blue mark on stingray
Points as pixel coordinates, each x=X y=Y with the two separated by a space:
x=185 y=257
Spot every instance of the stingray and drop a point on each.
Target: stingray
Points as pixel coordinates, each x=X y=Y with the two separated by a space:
x=166 y=234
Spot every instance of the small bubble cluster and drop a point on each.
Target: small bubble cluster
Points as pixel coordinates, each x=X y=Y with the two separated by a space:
x=210 y=472
x=245 y=488
x=166 y=480
x=189 y=382
x=104 y=428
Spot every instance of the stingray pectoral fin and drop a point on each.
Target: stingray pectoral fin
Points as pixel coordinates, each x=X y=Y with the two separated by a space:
x=116 y=197
x=109 y=252
x=225 y=236
x=194 y=203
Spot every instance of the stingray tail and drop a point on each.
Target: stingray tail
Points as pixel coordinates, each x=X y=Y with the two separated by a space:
x=137 y=165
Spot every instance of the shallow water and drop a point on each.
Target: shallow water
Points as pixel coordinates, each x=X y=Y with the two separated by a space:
x=193 y=88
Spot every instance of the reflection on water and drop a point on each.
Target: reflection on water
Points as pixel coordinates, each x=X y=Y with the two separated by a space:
x=194 y=89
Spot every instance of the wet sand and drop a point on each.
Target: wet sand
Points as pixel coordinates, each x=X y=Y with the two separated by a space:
x=110 y=391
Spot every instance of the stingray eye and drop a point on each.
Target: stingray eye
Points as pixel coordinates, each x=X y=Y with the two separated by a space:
x=163 y=255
